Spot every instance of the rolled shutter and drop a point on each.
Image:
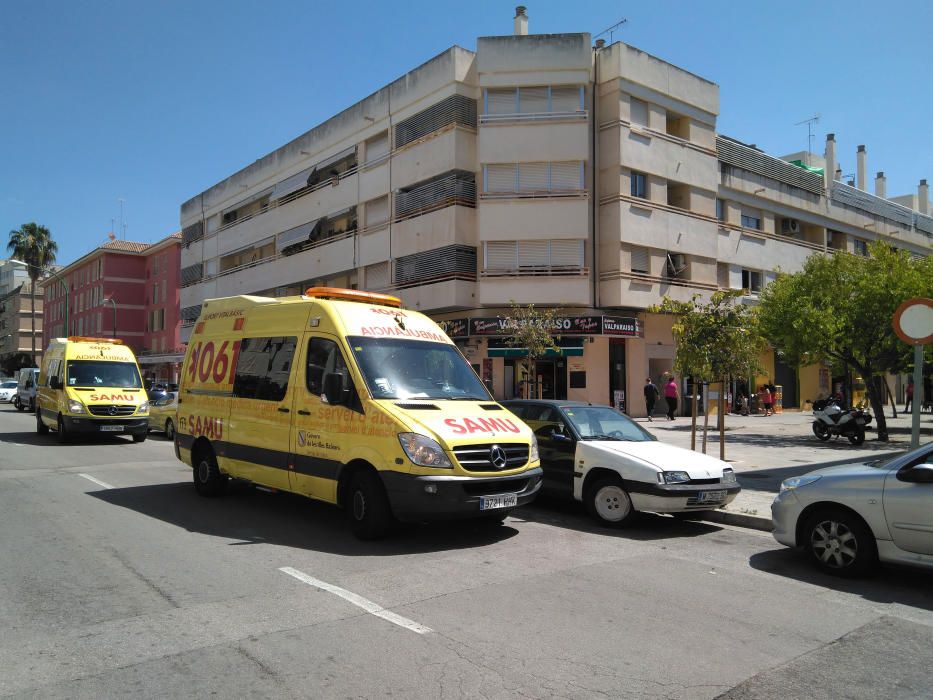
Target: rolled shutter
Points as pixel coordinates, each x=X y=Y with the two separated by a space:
x=533 y=254
x=639 y=112
x=641 y=261
x=377 y=147
x=377 y=211
x=501 y=255
x=567 y=175
x=532 y=100
x=500 y=177
x=567 y=253
x=533 y=177
x=501 y=101
x=567 y=98
x=377 y=276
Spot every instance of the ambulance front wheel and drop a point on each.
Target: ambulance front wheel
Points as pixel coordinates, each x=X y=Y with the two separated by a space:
x=368 y=506
x=208 y=481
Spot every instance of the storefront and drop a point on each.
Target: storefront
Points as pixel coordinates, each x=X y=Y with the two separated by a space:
x=588 y=363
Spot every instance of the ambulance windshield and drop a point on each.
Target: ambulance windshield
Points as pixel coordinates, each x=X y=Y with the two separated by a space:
x=84 y=373
x=396 y=368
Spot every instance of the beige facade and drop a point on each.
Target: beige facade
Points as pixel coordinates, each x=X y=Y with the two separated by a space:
x=537 y=169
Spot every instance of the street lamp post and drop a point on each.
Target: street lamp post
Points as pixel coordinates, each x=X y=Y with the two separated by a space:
x=112 y=301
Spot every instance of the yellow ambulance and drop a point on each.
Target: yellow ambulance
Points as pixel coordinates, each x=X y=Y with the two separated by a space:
x=343 y=396
x=91 y=385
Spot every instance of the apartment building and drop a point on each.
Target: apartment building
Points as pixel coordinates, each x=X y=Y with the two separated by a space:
x=539 y=168
x=16 y=302
x=126 y=290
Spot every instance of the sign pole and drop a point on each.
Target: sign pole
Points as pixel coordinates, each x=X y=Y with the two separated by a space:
x=913 y=323
x=918 y=397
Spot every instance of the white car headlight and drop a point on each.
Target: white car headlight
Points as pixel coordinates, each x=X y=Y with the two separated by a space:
x=728 y=476
x=795 y=482
x=673 y=477
x=143 y=407
x=424 y=451
x=533 y=455
x=75 y=406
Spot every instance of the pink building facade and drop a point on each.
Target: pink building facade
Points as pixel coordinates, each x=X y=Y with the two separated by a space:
x=125 y=290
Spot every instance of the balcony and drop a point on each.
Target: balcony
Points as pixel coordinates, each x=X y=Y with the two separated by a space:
x=562 y=288
x=639 y=291
x=655 y=225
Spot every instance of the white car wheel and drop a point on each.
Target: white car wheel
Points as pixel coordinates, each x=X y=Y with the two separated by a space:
x=609 y=502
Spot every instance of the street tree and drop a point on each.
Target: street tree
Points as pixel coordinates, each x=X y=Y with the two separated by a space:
x=839 y=309
x=530 y=328
x=33 y=245
x=714 y=340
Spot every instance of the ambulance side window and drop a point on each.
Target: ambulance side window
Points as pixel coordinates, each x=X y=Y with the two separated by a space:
x=323 y=356
x=263 y=367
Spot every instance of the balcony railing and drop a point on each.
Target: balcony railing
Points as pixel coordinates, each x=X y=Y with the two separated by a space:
x=575 y=115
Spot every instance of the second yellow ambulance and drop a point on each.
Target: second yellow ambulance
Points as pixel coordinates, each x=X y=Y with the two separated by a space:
x=343 y=396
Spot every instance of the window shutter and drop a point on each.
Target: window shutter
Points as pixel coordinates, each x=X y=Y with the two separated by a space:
x=533 y=177
x=567 y=175
x=639 y=112
x=566 y=99
x=533 y=254
x=501 y=255
x=377 y=276
x=567 y=253
x=641 y=261
x=532 y=100
x=500 y=101
x=500 y=177
x=377 y=211
x=377 y=147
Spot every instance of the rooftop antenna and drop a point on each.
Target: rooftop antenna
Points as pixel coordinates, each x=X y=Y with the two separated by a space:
x=122 y=220
x=815 y=119
x=611 y=30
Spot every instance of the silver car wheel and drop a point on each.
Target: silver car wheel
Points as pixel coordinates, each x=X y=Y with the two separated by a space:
x=612 y=503
x=834 y=544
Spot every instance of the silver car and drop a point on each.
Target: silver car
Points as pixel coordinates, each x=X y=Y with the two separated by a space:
x=849 y=517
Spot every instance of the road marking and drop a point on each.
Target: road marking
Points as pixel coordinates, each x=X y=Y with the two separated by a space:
x=97 y=481
x=359 y=601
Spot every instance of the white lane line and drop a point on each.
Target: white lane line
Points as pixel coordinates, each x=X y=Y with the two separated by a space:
x=97 y=481
x=359 y=601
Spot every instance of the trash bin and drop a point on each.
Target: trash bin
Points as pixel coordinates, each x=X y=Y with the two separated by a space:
x=687 y=407
x=754 y=404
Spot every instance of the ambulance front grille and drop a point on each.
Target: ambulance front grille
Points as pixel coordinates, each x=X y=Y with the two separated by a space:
x=479 y=458
x=111 y=410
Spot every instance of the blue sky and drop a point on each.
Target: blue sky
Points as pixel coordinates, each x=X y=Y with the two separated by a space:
x=153 y=102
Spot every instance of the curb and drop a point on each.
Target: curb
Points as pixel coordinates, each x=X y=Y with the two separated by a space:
x=727 y=517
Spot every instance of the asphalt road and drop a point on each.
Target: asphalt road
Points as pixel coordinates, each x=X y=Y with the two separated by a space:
x=117 y=580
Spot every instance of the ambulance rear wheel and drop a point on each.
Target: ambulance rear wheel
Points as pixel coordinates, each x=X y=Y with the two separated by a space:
x=368 y=506
x=208 y=481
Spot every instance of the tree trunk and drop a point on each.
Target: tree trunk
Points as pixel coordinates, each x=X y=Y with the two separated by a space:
x=722 y=421
x=877 y=399
x=33 y=297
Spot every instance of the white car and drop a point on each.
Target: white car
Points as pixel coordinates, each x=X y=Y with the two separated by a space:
x=7 y=390
x=601 y=457
x=851 y=516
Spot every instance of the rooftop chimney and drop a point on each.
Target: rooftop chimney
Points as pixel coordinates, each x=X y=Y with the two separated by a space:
x=881 y=185
x=860 y=167
x=600 y=43
x=923 y=194
x=838 y=175
x=521 y=21
x=830 y=173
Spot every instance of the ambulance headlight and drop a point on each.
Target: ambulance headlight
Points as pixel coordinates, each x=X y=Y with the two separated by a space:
x=424 y=451
x=143 y=407
x=533 y=456
x=75 y=406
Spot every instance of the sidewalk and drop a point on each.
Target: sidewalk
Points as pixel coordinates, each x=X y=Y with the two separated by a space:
x=766 y=450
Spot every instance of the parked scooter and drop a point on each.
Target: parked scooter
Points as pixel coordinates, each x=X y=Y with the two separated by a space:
x=832 y=420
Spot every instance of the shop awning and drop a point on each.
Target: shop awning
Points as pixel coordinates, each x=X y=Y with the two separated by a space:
x=569 y=347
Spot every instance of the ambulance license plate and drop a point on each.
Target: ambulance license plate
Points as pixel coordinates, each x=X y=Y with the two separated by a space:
x=711 y=496
x=503 y=500
x=111 y=428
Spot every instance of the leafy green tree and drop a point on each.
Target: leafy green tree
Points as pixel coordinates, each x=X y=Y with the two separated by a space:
x=33 y=245
x=530 y=328
x=839 y=309
x=714 y=340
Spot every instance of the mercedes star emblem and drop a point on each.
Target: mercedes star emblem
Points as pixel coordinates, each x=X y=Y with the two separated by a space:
x=497 y=457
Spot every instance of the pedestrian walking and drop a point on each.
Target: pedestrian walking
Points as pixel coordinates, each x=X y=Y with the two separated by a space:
x=670 y=395
x=767 y=400
x=910 y=397
x=651 y=396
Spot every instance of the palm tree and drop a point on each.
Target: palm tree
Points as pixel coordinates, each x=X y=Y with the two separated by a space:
x=33 y=245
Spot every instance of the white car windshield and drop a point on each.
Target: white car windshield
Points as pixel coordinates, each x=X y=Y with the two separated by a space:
x=604 y=423
x=8 y=385
x=396 y=368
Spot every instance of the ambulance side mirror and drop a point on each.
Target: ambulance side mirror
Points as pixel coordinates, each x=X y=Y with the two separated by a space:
x=335 y=389
x=54 y=383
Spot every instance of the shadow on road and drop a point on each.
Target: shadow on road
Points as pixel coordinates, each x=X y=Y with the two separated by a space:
x=51 y=439
x=647 y=527
x=246 y=515
x=890 y=584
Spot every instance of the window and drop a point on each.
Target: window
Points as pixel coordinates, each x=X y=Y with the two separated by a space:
x=377 y=276
x=377 y=211
x=638 y=112
x=639 y=185
x=528 y=257
x=262 y=368
x=678 y=125
x=515 y=178
x=324 y=357
x=749 y=221
x=157 y=320
x=155 y=293
x=377 y=147
x=539 y=100
x=641 y=261
x=751 y=281
x=860 y=247
x=678 y=195
x=676 y=267
x=720 y=210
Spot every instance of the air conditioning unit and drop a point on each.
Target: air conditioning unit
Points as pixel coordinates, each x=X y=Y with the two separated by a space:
x=676 y=263
x=790 y=226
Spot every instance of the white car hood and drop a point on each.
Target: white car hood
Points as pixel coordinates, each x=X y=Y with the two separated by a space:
x=662 y=456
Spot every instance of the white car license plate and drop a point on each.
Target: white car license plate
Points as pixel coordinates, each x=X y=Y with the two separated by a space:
x=111 y=428
x=711 y=496
x=503 y=500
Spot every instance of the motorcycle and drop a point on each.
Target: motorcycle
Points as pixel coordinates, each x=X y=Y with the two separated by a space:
x=832 y=420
